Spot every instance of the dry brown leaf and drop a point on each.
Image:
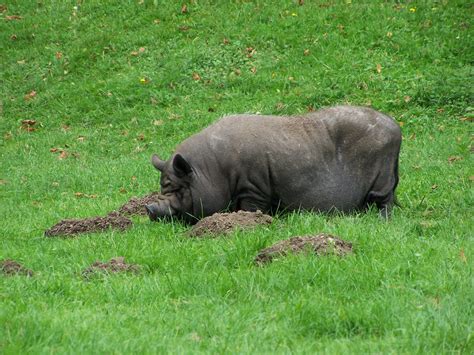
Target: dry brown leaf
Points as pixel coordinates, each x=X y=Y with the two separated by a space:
x=306 y=52
x=225 y=41
x=184 y=9
x=407 y=99
x=379 y=68
x=156 y=21
x=30 y=95
x=63 y=155
x=54 y=150
x=134 y=53
x=253 y=70
x=28 y=122
x=196 y=76
x=434 y=187
x=13 y=37
x=78 y=194
x=58 y=55
x=462 y=256
x=13 y=17
x=454 y=158
x=401 y=123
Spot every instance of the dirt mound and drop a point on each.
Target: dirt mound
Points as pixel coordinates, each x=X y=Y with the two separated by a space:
x=225 y=223
x=115 y=265
x=11 y=267
x=136 y=205
x=321 y=244
x=87 y=225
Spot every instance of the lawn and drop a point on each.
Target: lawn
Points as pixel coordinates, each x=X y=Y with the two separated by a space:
x=90 y=89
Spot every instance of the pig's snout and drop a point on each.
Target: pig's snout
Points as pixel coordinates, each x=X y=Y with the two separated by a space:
x=152 y=210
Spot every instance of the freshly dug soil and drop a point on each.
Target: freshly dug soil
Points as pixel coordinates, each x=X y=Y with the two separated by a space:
x=321 y=244
x=115 y=265
x=69 y=227
x=225 y=223
x=11 y=267
x=136 y=205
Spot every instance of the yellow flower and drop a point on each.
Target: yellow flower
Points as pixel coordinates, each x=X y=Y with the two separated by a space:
x=412 y=9
x=294 y=14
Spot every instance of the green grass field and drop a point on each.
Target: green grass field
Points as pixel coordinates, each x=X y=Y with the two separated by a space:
x=108 y=85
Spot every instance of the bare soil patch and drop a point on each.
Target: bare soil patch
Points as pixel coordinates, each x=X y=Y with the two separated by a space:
x=136 y=205
x=12 y=267
x=115 y=265
x=70 y=227
x=225 y=223
x=321 y=244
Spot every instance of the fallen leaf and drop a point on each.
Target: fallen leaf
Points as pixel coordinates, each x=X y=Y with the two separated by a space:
x=156 y=21
x=440 y=110
x=454 y=158
x=379 y=68
x=225 y=41
x=434 y=187
x=30 y=95
x=134 y=53
x=407 y=98
x=13 y=17
x=27 y=125
x=78 y=194
x=184 y=9
x=21 y=62
x=467 y=119
x=58 y=55
x=28 y=122
x=306 y=52
x=13 y=37
x=63 y=155
x=196 y=76
x=401 y=123
x=253 y=70
x=54 y=150
x=462 y=256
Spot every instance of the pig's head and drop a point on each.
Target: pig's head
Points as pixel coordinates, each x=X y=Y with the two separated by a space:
x=176 y=197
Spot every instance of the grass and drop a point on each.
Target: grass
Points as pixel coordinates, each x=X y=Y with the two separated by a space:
x=407 y=289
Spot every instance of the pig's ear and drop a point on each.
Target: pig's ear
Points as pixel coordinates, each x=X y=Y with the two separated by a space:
x=157 y=162
x=181 y=166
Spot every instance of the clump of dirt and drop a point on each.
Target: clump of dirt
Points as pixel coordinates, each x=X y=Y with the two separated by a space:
x=225 y=223
x=70 y=227
x=115 y=265
x=136 y=205
x=11 y=267
x=321 y=244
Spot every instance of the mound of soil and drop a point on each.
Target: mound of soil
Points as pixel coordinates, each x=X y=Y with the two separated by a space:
x=115 y=265
x=11 y=267
x=321 y=244
x=225 y=223
x=136 y=205
x=69 y=227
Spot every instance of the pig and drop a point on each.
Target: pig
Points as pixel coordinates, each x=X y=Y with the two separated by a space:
x=342 y=158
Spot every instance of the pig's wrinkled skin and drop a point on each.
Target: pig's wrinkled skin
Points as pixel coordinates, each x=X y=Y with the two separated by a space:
x=342 y=158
